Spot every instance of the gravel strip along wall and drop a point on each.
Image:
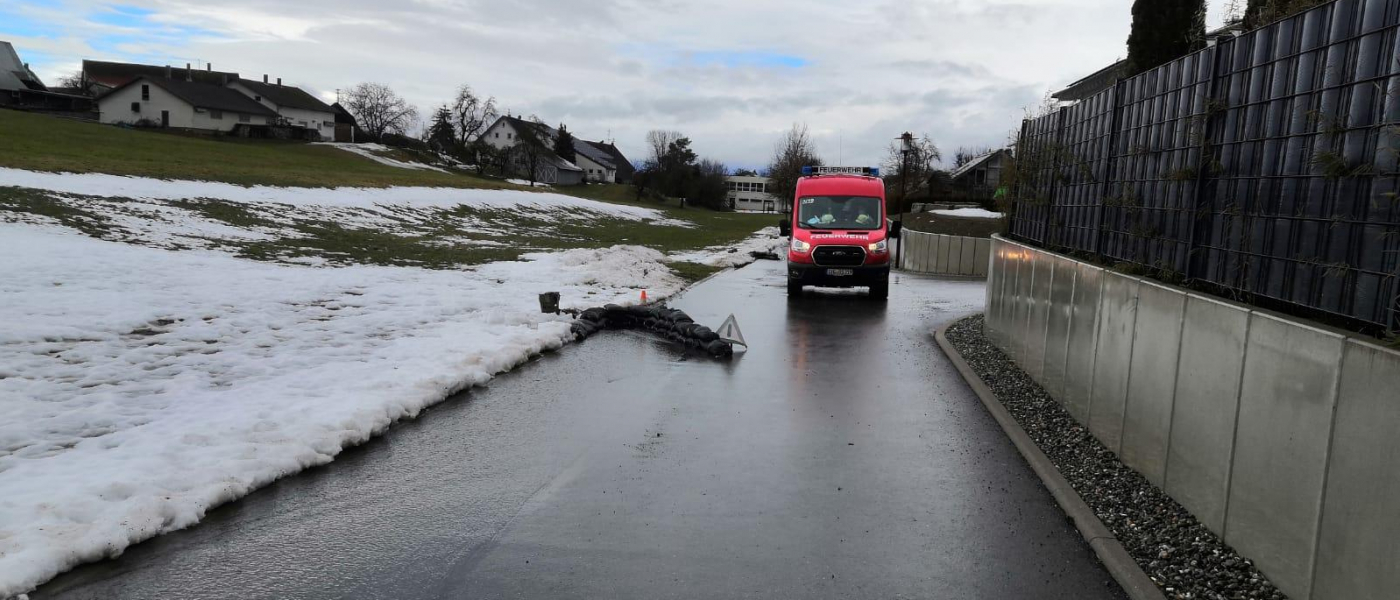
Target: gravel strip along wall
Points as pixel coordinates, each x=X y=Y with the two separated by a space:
x=669 y=323
x=1276 y=432
x=1179 y=553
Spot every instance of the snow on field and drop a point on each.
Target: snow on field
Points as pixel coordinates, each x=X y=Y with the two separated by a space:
x=764 y=242
x=369 y=151
x=140 y=387
x=526 y=183
x=972 y=213
x=380 y=199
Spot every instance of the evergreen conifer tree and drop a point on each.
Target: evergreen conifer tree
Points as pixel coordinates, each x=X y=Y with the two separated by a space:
x=1163 y=31
x=564 y=144
x=441 y=136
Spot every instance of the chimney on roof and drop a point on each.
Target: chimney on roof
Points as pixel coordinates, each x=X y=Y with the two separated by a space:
x=189 y=76
x=208 y=66
x=167 y=71
x=279 y=82
x=224 y=78
x=264 y=77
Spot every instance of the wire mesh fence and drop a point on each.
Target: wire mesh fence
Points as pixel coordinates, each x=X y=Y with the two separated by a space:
x=1264 y=167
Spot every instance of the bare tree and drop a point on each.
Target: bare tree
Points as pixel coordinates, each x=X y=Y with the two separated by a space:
x=913 y=168
x=378 y=110
x=794 y=151
x=659 y=143
x=532 y=148
x=966 y=154
x=74 y=80
x=471 y=115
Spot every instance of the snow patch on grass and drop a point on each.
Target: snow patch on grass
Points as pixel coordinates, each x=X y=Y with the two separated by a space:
x=766 y=241
x=968 y=213
x=375 y=152
x=142 y=387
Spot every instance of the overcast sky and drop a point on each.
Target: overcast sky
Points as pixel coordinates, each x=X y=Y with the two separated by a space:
x=731 y=75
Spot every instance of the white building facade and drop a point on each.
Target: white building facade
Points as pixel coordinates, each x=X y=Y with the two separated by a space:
x=750 y=194
x=293 y=104
x=181 y=105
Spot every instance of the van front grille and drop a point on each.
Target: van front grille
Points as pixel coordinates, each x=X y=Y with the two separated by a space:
x=838 y=256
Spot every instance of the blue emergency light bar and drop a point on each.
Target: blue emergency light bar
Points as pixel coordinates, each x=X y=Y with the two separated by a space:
x=808 y=171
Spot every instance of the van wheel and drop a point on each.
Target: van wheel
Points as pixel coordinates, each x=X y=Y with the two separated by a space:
x=880 y=291
x=794 y=288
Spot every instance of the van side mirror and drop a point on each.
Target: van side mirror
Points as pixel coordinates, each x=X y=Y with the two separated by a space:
x=896 y=228
x=784 y=227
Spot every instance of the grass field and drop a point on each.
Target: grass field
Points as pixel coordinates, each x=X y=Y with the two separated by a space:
x=433 y=238
x=44 y=143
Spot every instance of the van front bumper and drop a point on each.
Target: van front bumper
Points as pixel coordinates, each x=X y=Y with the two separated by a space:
x=864 y=275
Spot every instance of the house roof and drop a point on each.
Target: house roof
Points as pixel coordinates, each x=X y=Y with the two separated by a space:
x=203 y=95
x=115 y=74
x=14 y=74
x=624 y=167
x=342 y=115
x=286 y=96
x=977 y=161
x=603 y=158
x=1093 y=83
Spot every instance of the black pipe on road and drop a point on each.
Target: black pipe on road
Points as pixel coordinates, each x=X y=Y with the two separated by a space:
x=841 y=457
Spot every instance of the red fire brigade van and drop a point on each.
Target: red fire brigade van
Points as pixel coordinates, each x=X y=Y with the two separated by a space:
x=839 y=232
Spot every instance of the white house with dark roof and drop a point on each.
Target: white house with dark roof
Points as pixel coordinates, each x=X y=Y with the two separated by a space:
x=292 y=103
x=181 y=104
x=505 y=133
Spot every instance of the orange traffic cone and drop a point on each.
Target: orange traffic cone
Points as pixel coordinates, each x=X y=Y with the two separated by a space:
x=644 y=296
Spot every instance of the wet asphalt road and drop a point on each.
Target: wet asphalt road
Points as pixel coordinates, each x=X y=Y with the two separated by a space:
x=841 y=457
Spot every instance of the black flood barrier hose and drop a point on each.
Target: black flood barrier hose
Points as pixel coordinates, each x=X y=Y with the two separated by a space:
x=669 y=323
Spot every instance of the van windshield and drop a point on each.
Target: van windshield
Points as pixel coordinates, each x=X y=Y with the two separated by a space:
x=838 y=212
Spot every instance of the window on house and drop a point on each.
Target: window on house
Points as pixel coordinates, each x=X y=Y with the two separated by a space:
x=508 y=136
x=217 y=115
x=145 y=92
x=135 y=107
x=244 y=117
x=498 y=134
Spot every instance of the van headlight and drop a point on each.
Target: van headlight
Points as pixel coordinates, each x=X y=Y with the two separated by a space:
x=800 y=246
x=880 y=246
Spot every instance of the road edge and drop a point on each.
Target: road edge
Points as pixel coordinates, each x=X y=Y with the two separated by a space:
x=1111 y=553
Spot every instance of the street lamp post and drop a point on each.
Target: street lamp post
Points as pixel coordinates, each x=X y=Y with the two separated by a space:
x=907 y=146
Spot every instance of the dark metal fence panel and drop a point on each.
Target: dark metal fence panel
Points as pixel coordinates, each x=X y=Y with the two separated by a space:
x=1083 y=173
x=1267 y=166
x=1037 y=153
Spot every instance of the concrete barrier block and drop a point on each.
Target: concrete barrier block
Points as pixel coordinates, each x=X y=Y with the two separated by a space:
x=1044 y=270
x=1057 y=326
x=1005 y=287
x=940 y=264
x=1281 y=441
x=925 y=254
x=1207 y=396
x=967 y=252
x=1147 y=417
x=1357 y=554
x=954 y=249
x=1021 y=298
x=995 y=278
x=1113 y=356
x=1079 y=356
x=914 y=253
x=981 y=257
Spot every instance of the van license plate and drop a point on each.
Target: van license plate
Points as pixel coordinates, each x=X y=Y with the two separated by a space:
x=840 y=272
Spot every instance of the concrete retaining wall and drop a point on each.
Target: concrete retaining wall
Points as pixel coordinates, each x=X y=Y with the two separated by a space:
x=1280 y=435
x=944 y=254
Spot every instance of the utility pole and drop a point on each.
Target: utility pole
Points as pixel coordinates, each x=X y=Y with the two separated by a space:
x=906 y=146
